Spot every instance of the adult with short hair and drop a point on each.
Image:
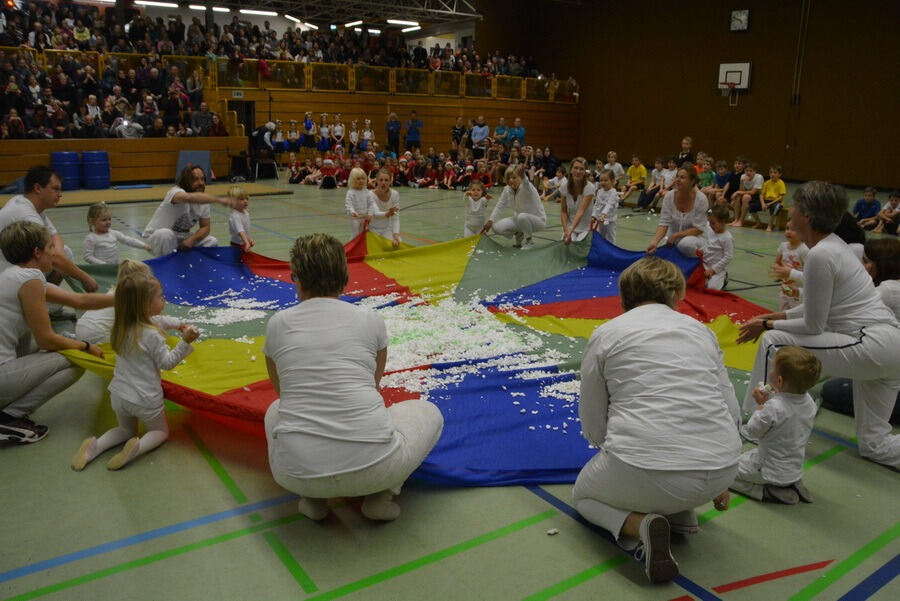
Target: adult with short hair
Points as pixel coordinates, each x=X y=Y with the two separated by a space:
x=664 y=421
x=43 y=190
x=186 y=204
x=329 y=434
x=523 y=198
x=28 y=377
x=393 y=127
x=479 y=136
x=414 y=131
x=842 y=320
x=682 y=219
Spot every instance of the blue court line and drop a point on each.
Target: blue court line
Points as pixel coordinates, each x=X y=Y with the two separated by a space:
x=681 y=580
x=874 y=582
x=142 y=537
x=835 y=438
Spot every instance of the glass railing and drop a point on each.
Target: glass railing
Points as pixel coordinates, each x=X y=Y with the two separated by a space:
x=52 y=58
x=324 y=77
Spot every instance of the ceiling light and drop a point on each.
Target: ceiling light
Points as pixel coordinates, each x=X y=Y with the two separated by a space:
x=375 y=31
x=197 y=6
x=357 y=29
x=311 y=26
x=353 y=24
x=159 y=4
x=265 y=13
x=408 y=29
x=399 y=22
x=290 y=18
x=220 y=9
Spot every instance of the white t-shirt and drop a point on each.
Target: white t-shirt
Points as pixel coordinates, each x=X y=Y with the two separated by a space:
x=890 y=295
x=180 y=217
x=668 y=176
x=606 y=203
x=239 y=221
x=13 y=326
x=655 y=392
x=656 y=176
x=782 y=427
x=572 y=205
x=719 y=250
x=677 y=221
x=19 y=208
x=103 y=249
x=136 y=378
x=617 y=169
x=475 y=212
x=381 y=225
x=331 y=418
x=752 y=184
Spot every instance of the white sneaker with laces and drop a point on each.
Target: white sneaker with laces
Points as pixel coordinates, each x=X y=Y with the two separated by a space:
x=659 y=565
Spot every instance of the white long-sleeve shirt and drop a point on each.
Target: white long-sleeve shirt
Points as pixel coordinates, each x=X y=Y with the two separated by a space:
x=655 y=392
x=103 y=249
x=719 y=250
x=839 y=294
x=381 y=224
x=524 y=200
x=606 y=203
x=676 y=221
x=359 y=202
x=782 y=426
x=136 y=378
x=475 y=210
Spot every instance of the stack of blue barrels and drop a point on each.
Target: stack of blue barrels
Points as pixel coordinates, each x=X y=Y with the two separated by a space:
x=91 y=169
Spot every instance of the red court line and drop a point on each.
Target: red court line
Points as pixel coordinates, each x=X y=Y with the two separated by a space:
x=739 y=584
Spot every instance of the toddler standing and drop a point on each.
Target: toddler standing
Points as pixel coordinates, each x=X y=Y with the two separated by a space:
x=239 y=220
x=101 y=246
x=719 y=248
x=476 y=205
x=782 y=423
x=606 y=201
x=788 y=268
x=358 y=202
x=135 y=390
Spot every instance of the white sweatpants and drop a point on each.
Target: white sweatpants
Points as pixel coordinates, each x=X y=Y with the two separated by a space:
x=419 y=424
x=164 y=241
x=870 y=359
x=357 y=225
x=689 y=245
x=717 y=280
x=524 y=223
x=608 y=231
x=608 y=490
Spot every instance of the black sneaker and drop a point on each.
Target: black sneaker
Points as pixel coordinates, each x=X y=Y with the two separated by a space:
x=20 y=429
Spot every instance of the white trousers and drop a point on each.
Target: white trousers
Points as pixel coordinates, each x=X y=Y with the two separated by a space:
x=717 y=280
x=419 y=424
x=29 y=381
x=608 y=231
x=870 y=359
x=689 y=245
x=164 y=241
x=357 y=225
x=608 y=490
x=524 y=223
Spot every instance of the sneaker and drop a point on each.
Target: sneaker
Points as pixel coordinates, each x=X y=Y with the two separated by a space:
x=380 y=507
x=659 y=565
x=314 y=509
x=802 y=491
x=529 y=243
x=20 y=429
x=519 y=237
x=786 y=495
x=684 y=522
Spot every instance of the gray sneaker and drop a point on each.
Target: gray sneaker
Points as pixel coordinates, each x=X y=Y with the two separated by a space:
x=519 y=236
x=659 y=565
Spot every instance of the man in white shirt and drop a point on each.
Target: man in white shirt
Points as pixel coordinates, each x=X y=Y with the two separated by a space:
x=43 y=189
x=185 y=204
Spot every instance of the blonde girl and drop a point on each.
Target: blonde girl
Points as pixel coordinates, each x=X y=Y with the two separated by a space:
x=358 y=202
x=239 y=220
x=135 y=391
x=476 y=205
x=101 y=245
x=385 y=217
x=606 y=202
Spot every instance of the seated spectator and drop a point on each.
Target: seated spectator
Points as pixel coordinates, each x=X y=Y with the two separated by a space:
x=216 y=127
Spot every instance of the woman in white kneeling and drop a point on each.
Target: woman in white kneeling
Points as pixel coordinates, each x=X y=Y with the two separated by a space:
x=657 y=403
x=522 y=197
x=330 y=434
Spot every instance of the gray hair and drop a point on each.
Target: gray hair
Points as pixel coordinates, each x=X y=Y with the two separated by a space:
x=824 y=204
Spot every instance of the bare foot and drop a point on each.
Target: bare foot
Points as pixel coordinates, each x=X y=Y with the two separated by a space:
x=736 y=224
x=769 y=229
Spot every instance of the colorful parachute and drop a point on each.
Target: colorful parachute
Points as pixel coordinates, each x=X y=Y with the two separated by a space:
x=493 y=336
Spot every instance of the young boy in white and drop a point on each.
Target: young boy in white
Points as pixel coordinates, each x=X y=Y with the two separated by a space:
x=606 y=201
x=788 y=268
x=719 y=248
x=782 y=423
x=239 y=220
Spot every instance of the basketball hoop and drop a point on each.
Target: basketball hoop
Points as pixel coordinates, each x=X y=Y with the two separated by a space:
x=729 y=90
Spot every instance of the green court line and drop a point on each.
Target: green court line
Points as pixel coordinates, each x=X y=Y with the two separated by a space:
x=841 y=569
x=577 y=579
x=217 y=467
x=136 y=563
x=838 y=448
x=432 y=557
x=290 y=563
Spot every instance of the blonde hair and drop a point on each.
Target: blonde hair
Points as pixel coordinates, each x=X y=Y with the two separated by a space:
x=798 y=367
x=510 y=171
x=237 y=192
x=653 y=280
x=132 y=310
x=477 y=185
x=130 y=267
x=18 y=241
x=94 y=212
x=357 y=174
x=319 y=263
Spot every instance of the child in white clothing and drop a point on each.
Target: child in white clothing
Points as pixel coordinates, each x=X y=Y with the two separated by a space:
x=719 y=248
x=358 y=202
x=613 y=164
x=239 y=220
x=135 y=390
x=606 y=201
x=101 y=246
x=476 y=206
x=782 y=423
x=788 y=268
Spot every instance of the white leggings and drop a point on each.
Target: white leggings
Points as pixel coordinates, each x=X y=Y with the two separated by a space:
x=870 y=359
x=157 y=432
x=608 y=490
x=524 y=223
x=164 y=241
x=418 y=423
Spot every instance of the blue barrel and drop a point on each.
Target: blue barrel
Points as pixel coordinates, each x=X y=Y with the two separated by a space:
x=68 y=166
x=95 y=167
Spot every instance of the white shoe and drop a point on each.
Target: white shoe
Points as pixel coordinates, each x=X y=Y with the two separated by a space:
x=380 y=507
x=659 y=565
x=314 y=509
x=529 y=243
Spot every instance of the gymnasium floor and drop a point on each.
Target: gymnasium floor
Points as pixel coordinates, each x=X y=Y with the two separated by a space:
x=201 y=518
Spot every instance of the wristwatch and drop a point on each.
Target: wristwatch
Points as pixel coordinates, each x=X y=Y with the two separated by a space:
x=766 y=325
x=87 y=345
